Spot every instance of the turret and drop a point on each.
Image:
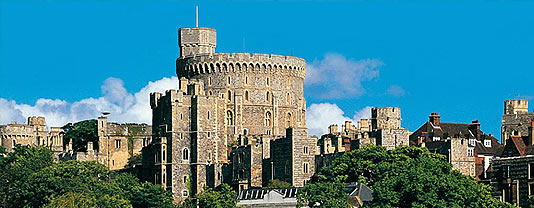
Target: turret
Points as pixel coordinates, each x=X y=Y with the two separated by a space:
x=515 y=106
x=197 y=41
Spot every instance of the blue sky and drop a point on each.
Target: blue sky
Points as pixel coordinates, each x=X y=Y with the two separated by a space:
x=461 y=59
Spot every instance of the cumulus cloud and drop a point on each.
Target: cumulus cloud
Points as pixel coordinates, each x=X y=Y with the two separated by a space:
x=320 y=116
x=395 y=90
x=337 y=77
x=123 y=105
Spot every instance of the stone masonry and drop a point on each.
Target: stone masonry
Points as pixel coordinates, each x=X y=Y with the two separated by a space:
x=34 y=133
x=222 y=97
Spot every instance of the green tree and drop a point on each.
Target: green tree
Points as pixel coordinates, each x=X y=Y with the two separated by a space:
x=80 y=133
x=273 y=184
x=324 y=195
x=221 y=197
x=403 y=177
x=16 y=170
x=73 y=200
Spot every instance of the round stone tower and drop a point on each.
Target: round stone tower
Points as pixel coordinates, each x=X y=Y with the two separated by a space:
x=264 y=93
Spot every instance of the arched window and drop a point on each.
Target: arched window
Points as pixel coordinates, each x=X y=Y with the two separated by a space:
x=288 y=98
x=288 y=120
x=246 y=80
x=267 y=96
x=268 y=119
x=229 y=118
x=229 y=95
x=246 y=95
x=185 y=154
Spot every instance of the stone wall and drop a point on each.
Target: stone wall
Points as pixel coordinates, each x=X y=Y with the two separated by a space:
x=512 y=178
x=34 y=133
x=458 y=156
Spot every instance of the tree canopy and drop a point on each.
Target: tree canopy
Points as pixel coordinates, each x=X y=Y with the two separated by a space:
x=80 y=133
x=222 y=196
x=31 y=179
x=403 y=177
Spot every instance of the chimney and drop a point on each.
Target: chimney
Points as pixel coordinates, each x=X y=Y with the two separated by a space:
x=434 y=118
x=475 y=128
x=531 y=133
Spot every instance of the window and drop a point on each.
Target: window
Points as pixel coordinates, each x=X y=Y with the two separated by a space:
x=531 y=170
x=229 y=118
x=472 y=142
x=228 y=80
x=305 y=168
x=229 y=95
x=117 y=144
x=531 y=188
x=246 y=79
x=288 y=120
x=246 y=95
x=209 y=134
x=185 y=154
x=267 y=96
x=163 y=156
x=209 y=81
x=288 y=97
x=435 y=138
x=305 y=150
x=470 y=152
x=185 y=178
x=245 y=131
x=487 y=143
x=268 y=118
x=267 y=81
x=185 y=193
x=208 y=115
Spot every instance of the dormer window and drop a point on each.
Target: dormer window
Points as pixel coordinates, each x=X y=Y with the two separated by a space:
x=472 y=142
x=435 y=139
x=487 y=143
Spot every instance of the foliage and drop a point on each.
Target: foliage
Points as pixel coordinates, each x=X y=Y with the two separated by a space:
x=530 y=202
x=221 y=197
x=323 y=194
x=403 y=177
x=273 y=184
x=16 y=170
x=134 y=160
x=33 y=180
x=80 y=133
x=72 y=200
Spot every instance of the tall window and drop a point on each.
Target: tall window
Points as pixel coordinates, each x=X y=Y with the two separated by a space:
x=267 y=81
x=288 y=120
x=531 y=170
x=470 y=152
x=117 y=144
x=229 y=118
x=305 y=168
x=305 y=150
x=228 y=80
x=185 y=154
x=246 y=80
x=288 y=98
x=246 y=95
x=229 y=95
x=268 y=117
x=267 y=96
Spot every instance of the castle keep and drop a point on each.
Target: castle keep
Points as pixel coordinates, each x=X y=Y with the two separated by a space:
x=223 y=101
x=34 y=133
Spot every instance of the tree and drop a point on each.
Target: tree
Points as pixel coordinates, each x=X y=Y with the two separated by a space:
x=323 y=194
x=221 y=197
x=274 y=184
x=16 y=170
x=403 y=177
x=73 y=200
x=80 y=133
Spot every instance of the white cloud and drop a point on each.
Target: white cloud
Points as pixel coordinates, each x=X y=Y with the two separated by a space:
x=123 y=106
x=337 y=77
x=396 y=91
x=320 y=116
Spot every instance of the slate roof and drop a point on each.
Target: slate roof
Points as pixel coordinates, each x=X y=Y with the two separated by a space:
x=253 y=194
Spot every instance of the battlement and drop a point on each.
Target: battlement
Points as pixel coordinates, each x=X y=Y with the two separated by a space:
x=241 y=62
x=515 y=106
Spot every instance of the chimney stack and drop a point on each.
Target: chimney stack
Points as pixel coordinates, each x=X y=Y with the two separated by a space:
x=434 y=118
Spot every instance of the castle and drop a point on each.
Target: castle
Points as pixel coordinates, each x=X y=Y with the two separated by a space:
x=224 y=100
x=516 y=119
x=34 y=133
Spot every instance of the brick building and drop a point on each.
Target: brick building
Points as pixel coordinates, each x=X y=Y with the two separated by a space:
x=467 y=148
